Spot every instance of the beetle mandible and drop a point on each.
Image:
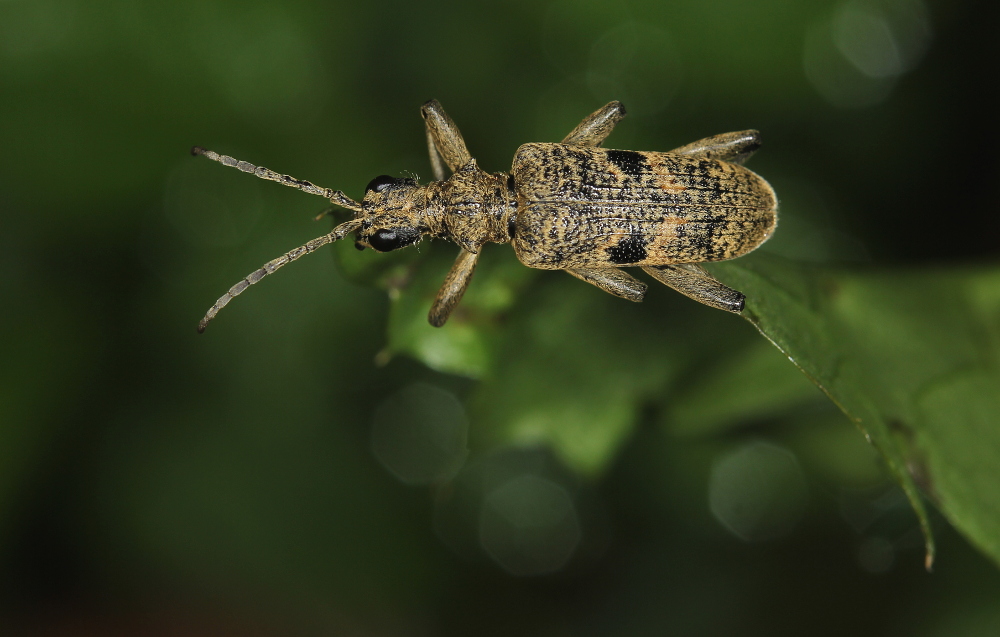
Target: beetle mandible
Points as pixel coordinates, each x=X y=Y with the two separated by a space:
x=570 y=206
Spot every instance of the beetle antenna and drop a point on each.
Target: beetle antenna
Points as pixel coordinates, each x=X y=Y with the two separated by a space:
x=338 y=233
x=334 y=196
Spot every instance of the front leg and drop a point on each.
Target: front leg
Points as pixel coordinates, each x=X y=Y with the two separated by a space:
x=443 y=140
x=454 y=287
x=734 y=148
x=437 y=166
x=595 y=128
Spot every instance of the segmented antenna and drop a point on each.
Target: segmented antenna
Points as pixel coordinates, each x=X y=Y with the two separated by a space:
x=334 y=196
x=339 y=232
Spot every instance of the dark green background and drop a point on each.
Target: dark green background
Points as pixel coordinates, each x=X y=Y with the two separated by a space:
x=155 y=481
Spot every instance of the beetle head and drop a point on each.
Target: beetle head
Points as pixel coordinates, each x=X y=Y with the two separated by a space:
x=392 y=214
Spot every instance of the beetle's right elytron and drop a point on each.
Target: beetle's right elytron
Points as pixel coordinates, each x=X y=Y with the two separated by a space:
x=569 y=206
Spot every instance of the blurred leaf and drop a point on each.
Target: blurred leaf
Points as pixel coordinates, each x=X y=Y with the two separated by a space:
x=912 y=359
x=753 y=384
x=574 y=377
x=577 y=367
x=468 y=346
x=831 y=449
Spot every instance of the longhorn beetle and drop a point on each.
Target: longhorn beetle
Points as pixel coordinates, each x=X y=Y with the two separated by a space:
x=570 y=206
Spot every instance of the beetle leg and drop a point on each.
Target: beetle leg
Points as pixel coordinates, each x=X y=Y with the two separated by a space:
x=453 y=288
x=613 y=281
x=693 y=281
x=437 y=166
x=443 y=139
x=735 y=147
x=593 y=130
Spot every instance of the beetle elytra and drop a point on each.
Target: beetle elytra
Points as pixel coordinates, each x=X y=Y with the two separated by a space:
x=570 y=206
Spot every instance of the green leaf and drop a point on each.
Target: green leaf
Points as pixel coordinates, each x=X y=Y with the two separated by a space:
x=912 y=358
x=468 y=346
x=753 y=384
x=576 y=367
x=573 y=375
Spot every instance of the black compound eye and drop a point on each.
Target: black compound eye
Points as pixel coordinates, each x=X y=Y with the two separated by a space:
x=380 y=183
x=385 y=240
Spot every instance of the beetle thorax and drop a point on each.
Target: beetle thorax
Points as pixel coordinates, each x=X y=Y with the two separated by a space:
x=471 y=207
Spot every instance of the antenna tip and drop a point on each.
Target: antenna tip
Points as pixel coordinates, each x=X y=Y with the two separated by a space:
x=197 y=150
x=201 y=326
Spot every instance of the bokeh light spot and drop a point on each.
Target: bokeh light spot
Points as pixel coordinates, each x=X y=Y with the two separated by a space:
x=757 y=492
x=637 y=64
x=419 y=434
x=529 y=526
x=266 y=64
x=855 y=54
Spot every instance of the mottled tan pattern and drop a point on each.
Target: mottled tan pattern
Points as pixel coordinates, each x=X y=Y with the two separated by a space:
x=574 y=204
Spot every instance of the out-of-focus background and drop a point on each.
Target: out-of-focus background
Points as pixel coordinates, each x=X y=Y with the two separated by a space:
x=289 y=473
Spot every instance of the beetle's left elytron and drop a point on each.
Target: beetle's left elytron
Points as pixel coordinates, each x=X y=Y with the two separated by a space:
x=569 y=206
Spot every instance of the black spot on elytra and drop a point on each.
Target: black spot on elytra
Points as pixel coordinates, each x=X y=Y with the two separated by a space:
x=631 y=249
x=631 y=163
x=705 y=241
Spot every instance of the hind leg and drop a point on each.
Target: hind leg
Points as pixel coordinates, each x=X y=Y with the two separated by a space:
x=735 y=148
x=693 y=281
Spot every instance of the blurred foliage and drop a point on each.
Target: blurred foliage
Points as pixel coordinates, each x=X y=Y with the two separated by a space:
x=912 y=359
x=599 y=467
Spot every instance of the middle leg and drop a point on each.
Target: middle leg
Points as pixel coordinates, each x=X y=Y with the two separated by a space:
x=613 y=281
x=595 y=128
x=735 y=147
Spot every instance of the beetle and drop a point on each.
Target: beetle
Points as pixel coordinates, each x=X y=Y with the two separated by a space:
x=572 y=206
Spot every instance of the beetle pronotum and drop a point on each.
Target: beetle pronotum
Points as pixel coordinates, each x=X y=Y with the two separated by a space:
x=570 y=206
